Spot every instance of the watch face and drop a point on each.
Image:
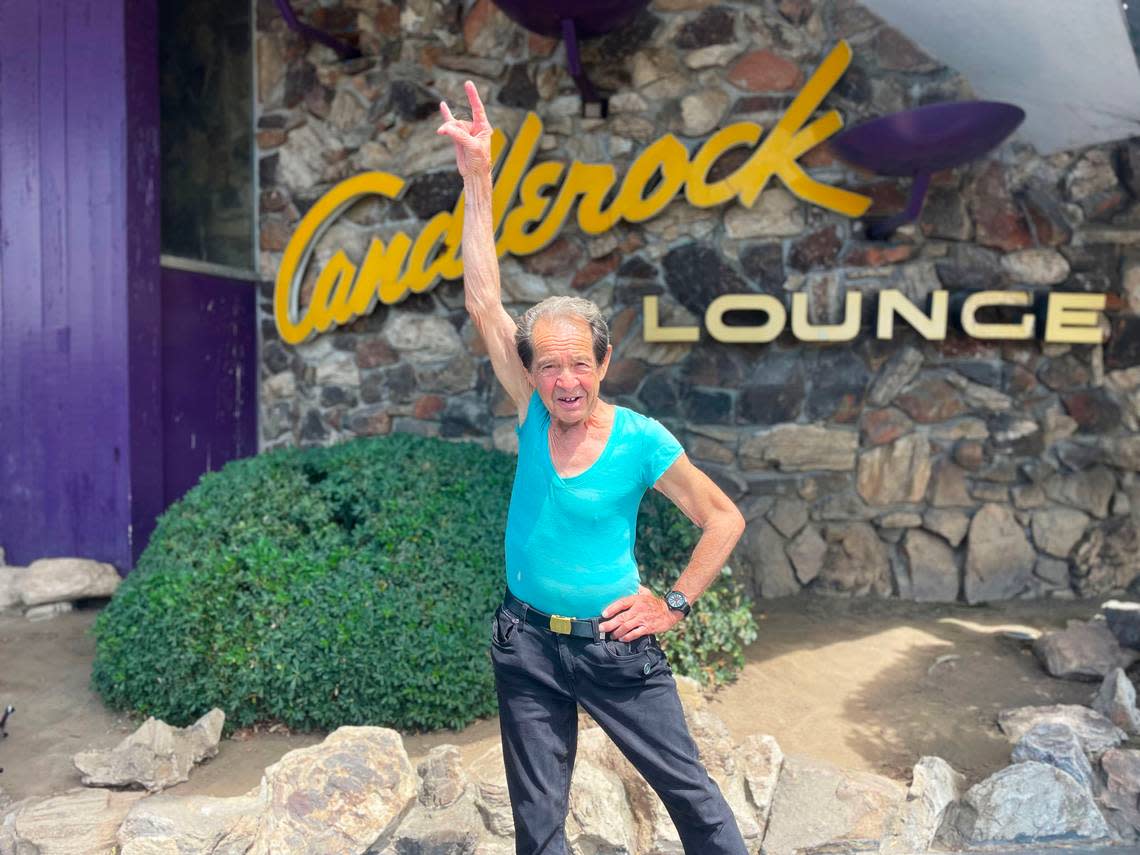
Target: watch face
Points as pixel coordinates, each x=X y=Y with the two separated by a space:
x=675 y=599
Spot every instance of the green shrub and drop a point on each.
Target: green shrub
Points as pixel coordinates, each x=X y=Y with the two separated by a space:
x=708 y=645
x=352 y=584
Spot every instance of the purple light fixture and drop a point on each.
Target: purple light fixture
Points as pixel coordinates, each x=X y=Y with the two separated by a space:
x=920 y=142
x=571 y=20
x=344 y=50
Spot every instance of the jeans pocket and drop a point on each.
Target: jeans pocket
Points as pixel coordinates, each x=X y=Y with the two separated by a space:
x=504 y=626
x=629 y=649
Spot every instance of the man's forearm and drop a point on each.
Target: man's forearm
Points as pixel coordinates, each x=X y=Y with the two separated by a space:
x=480 y=260
x=718 y=538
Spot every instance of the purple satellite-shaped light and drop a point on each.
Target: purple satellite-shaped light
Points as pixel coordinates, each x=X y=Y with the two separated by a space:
x=574 y=19
x=919 y=142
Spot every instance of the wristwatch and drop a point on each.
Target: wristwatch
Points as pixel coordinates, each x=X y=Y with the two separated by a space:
x=678 y=602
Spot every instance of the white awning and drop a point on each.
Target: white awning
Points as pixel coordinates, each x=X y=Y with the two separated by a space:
x=1070 y=64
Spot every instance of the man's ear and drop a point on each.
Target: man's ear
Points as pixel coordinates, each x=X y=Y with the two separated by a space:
x=605 y=363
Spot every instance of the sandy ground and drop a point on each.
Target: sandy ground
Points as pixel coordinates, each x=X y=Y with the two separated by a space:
x=852 y=681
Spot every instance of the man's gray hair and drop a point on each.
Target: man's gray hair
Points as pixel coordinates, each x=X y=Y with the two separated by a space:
x=561 y=306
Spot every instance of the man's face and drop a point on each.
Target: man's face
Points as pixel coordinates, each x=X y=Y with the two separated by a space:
x=564 y=370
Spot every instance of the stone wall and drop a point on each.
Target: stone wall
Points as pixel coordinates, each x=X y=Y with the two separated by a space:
x=957 y=470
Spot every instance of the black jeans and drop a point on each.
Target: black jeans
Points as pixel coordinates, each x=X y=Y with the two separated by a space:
x=628 y=689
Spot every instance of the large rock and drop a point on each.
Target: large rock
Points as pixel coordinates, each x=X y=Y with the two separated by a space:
x=489 y=773
x=337 y=796
x=1027 y=801
x=455 y=827
x=599 y=817
x=951 y=525
x=155 y=756
x=80 y=821
x=807 y=552
x=51 y=580
x=10 y=579
x=1036 y=266
x=898 y=472
x=423 y=338
x=1084 y=650
x=894 y=376
x=1057 y=530
x=777 y=213
x=442 y=779
x=1097 y=733
x=167 y=824
x=758 y=762
x=933 y=569
x=1123 y=620
x=857 y=562
x=702 y=111
x=760 y=552
x=792 y=447
x=817 y=805
x=999 y=559
x=1107 y=558
x=1116 y=701
x=1120 y=796
x=1057 y=744
x=950 y=489
x=911 y=828
x=1089 y=490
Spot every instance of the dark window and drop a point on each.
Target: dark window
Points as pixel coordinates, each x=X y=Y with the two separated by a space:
x=208 y=210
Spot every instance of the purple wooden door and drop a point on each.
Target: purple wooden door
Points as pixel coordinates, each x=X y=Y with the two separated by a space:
x=209 y=376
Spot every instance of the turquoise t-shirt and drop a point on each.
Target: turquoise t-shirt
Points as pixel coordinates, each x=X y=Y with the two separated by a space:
x=569 y=541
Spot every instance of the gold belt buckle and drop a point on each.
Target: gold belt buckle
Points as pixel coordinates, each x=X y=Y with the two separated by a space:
x=560 y=624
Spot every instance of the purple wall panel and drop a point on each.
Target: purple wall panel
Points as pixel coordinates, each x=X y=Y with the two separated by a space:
x=209 y=358
x=143 y=279
x=20 y=296
x=80 y=409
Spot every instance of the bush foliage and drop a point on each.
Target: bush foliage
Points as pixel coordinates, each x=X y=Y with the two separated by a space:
x=353 y=584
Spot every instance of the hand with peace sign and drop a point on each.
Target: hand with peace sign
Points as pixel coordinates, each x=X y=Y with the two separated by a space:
x=472 y=139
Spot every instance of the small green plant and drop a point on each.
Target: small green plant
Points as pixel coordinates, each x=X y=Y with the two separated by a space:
x=352 y=585
x=709 y=644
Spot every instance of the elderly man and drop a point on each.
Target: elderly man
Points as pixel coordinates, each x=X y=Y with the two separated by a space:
x=575 y=626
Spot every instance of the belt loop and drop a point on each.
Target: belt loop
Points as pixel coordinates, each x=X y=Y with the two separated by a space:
x=525 y=609
x=594 y=627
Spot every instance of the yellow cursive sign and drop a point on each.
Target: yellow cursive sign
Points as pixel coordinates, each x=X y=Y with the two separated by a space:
x=546 y=193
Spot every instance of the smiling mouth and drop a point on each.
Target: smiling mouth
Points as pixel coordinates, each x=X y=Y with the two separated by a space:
x=569 y=401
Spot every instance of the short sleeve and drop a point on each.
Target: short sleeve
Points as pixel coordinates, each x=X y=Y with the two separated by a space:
x=661 y=450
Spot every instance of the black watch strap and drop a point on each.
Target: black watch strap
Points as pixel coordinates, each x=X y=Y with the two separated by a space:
x=684 y=608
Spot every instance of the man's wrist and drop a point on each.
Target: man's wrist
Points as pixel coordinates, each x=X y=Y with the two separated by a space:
x=676 y=600
x=477 y=178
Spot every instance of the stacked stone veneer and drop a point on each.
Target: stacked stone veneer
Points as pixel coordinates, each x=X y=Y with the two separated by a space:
x=961 y=469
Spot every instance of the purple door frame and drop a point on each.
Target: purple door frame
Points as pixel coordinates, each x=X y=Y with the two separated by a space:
x=83 y=364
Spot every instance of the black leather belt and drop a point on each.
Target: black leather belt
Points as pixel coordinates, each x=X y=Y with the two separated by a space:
x=585 y=627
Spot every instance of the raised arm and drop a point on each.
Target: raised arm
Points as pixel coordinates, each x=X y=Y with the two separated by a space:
x=482 y=294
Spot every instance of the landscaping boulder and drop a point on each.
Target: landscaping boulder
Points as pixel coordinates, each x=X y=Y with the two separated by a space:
x=1085 y=650
x=155 y=756
x=80 y=821
x=1096 y=733
x=1120 y=796
x=1057 y=744
x=934 y=787
x=168 y=823
x=340 y=795
x=1123 y=620
x=51 y=580
x=1024 y=802
x=1116 y=700
x=818 y=805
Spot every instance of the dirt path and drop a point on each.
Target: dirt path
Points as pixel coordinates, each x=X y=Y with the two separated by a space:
x=853 y=681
